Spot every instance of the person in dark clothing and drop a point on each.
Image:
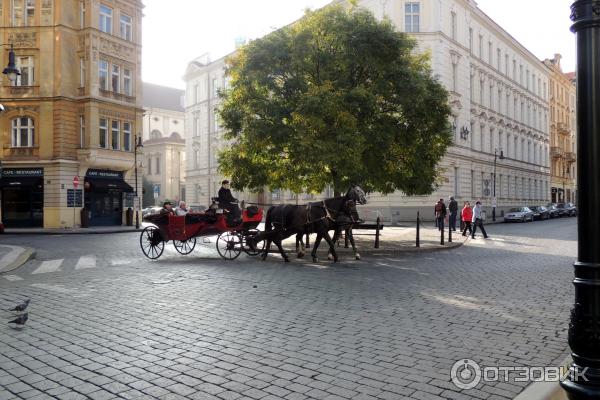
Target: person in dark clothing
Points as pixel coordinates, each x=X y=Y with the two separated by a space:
x=440 y=214
x=453 y=208
x=229 y=203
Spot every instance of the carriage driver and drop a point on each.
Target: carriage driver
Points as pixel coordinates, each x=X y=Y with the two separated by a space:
x=228 y=202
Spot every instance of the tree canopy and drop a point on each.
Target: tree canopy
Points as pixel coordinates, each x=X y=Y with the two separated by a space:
x=335 y=98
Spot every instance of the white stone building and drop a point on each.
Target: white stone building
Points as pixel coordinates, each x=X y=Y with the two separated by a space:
x=499 y=96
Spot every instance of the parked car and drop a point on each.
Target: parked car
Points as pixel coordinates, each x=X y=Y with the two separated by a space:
x=150 y=210
x=540 y=212
x=563 y=209
x=519 y=214
x=553 y=211
x=572 y=209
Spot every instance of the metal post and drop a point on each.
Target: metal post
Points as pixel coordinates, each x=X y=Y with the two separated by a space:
x=449 y=234
x=494 y=205
x=418 y=229
x=135 y=147
x=442 y=237
x=583 y=381
x=378 y=222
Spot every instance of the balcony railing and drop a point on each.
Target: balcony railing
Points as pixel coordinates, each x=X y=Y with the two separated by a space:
x=563 y=128
x=556 y=152
x=570 y=156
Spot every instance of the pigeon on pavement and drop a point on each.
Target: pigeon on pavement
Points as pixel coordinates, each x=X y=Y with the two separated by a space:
x=20 y=320
x=21 y=307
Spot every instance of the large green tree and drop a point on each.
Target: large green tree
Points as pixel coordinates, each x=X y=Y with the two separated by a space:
x=335 y=98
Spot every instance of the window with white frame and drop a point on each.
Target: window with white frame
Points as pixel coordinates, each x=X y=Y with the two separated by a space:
x=116 y=78
x=82 y=14
x=103 y=131
x=115 y=133
x=103 y=74
x=81 y=131
x=127 y=136
x=23 y=12
x=81 y=72
x=105 y=23
x=26 y=66
x=127 y=82
x=126 y=28
x=412 y=12
x=23 y=132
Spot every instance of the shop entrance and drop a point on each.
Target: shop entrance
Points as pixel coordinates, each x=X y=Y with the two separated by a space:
x=23 y=205
x=106 y=208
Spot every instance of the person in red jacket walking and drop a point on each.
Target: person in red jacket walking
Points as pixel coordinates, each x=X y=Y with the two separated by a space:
x=467 y=215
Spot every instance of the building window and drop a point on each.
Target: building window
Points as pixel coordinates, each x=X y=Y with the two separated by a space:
x=506 y=64
x=456 y=182
x=127 y=82
x=103 y=139
x=215 y=87
x=471 y=40
x=106 y=19
x=116 y=79
x=454 y=77
x=81 y=131
x=81 y=72
x=25 y=65
x=215 y=121
x=115 y=135
x=412 y=17
x=127 y=136
x=126 y=28
x=473 y=184
x=490 y=55
x=149 y=166
x=103 y=74
x=499 y=58
x=23 y=132
x=453 y=25
x=23 y=12
x=157 y=166
x=196 y=159
x=480 y=46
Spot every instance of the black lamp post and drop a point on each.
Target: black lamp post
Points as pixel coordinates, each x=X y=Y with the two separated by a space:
x=583 y=381
x=11 y=70
x=495 y=158
x=137 y=144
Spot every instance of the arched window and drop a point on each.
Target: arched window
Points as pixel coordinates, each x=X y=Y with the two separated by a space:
x=22 y=132
x=155 y=134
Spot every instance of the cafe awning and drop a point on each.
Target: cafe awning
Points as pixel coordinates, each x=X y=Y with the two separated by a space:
x=103 y=185
x=16 y=181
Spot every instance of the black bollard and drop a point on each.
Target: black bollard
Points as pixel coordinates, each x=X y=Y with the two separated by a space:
x=583 y=380
x=449 y=234
x=442 y=237
x=418 y=229
x=377 y=233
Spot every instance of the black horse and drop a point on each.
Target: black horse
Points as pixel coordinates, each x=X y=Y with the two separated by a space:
x=284 y=221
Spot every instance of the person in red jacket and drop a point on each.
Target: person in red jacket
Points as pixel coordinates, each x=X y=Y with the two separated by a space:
x=467 y=215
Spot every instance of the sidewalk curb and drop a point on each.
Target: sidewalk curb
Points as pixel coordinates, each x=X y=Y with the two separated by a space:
x=404 y=250
x=70 y=232
x=25 y=256
x=545 y=390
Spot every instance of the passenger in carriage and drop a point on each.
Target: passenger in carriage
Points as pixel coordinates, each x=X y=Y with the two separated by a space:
x=182 y=209
x=167 y=208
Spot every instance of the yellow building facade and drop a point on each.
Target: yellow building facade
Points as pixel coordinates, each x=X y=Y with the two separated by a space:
x=73 y=112
x=563 y=150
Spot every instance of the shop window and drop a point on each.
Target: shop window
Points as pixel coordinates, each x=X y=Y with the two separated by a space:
x=23 y=132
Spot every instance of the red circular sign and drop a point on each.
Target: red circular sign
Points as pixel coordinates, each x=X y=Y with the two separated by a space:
x=75 y=182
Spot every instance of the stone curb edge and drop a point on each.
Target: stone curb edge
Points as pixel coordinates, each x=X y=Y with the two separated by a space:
x=25 y=256
x=67 y=232
x=545 y=390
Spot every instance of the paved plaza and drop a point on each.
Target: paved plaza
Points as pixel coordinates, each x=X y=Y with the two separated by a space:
x=106 y=323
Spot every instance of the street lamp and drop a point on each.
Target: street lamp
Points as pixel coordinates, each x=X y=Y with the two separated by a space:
x=583 y=381
x=11 y=70
x=501 y=156
x=137 y=144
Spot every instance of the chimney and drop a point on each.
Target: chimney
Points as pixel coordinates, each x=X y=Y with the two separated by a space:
x=557 y=58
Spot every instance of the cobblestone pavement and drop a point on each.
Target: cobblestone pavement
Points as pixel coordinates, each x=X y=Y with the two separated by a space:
x=196 y=327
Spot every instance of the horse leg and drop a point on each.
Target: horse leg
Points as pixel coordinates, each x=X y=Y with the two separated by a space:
x=281 y=251
x=351 y=237
x=300 y=250
x=266 y=250
x=336 y=235
x=331 y=246
x=315 y=247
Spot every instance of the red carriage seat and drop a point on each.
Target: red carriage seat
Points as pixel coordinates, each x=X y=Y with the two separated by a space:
x=176 y=227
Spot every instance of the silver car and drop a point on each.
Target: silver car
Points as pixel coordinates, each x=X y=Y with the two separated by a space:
x=519 y=214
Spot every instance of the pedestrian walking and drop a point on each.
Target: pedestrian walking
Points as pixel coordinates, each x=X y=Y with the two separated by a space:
x=440 y=214
x=467 y=215
x=478 y=221
x=453 y=208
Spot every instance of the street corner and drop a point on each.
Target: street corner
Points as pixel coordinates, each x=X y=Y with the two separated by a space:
x=13 y=257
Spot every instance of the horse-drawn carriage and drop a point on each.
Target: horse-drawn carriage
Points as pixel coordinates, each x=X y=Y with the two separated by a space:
x=232 y=236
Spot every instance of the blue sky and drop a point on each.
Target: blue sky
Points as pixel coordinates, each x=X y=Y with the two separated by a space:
x=177 y=31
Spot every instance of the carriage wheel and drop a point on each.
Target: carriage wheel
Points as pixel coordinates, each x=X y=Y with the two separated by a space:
x=259 y=247
x=151 y=242
x=185 y=247
x=229 y=245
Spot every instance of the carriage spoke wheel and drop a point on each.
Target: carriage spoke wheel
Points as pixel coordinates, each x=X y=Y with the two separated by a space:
x=151 y=242
x=186 y=246
x=229 y=245
x=258 y=247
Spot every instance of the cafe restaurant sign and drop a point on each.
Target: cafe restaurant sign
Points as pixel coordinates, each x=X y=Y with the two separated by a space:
x=22 y=172
x=104 y=174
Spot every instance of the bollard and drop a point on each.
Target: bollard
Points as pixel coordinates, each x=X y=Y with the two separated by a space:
x=442 y=237
x=449 y=234
x=418 y=229
x=377 y=233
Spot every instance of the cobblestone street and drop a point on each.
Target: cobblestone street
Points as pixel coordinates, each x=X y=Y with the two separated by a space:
x=104 y=322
